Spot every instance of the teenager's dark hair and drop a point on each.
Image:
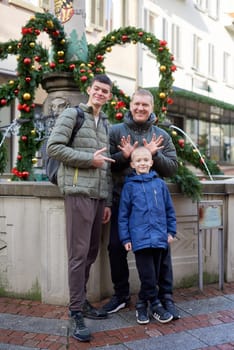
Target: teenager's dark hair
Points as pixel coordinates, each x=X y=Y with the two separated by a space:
x=102 y=78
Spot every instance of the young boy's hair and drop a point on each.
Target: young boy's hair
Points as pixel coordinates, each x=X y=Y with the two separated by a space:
x=102 y=78
x=140 y=149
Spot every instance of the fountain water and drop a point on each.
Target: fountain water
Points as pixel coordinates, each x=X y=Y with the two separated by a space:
x=191 y=141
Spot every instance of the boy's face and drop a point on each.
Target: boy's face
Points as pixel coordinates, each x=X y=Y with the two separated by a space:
x=142 y=162
x=99 y=94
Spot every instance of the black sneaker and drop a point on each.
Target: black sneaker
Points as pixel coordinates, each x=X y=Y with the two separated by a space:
x=170 y=307
x=81 y=332
x=160 y=314
x=142 y=313
x=116 y=303
x=90 y=311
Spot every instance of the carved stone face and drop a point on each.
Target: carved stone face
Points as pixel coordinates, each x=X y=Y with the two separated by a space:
x=58 y=104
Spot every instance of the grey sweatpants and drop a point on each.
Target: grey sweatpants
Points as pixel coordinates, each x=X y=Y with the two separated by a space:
x=83 y=230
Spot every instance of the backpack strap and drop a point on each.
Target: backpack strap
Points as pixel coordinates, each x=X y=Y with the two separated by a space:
x=79 y=122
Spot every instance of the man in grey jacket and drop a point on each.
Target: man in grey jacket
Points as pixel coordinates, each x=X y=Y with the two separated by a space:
x=84 y=178
x=138 y=129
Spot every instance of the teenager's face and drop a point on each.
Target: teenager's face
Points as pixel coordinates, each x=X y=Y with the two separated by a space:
x=142 y=162
x=99 y=94
x=141 y=107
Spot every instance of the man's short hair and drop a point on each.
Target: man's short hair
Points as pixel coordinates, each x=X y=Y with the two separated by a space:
x=143 y=92
x=102 y=78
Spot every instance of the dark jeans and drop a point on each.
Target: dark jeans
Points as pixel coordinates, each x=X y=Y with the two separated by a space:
x=148 y=265
x=119 y=263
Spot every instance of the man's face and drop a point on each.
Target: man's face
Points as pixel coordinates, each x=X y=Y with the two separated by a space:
x=99 y=94
x=141 y=107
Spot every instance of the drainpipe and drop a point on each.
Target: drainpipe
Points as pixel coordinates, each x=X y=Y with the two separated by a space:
x=139 y=69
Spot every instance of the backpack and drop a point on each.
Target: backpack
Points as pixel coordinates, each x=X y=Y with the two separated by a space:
x=52 y=164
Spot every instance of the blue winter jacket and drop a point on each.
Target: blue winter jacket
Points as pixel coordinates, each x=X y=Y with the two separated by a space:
x=146 y=212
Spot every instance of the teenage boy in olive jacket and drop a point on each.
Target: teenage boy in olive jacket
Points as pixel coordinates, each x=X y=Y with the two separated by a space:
x=84 y=179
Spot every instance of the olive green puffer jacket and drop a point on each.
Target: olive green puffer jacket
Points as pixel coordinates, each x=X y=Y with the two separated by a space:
x=76 y=175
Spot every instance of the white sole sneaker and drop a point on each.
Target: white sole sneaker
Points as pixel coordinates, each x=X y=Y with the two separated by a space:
x=141 y=321
x=157 y=317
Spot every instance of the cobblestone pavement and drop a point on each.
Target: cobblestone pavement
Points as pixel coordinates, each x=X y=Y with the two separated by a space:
x=207 y=322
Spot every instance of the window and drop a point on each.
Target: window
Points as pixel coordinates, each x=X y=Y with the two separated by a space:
x=32 y=5
x=125 y=13
x=211 y=7
x=165 y=29
x=117 y=14
x=95 y=14
x=228 y=69
x=202 y=4
x=211 y=60
x=175 y=42
x=150 y=21
x=197 y=52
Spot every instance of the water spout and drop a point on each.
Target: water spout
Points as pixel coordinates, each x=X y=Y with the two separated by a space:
x=191 y=141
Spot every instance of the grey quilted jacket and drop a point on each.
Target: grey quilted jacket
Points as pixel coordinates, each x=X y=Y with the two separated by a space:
x=76 y=175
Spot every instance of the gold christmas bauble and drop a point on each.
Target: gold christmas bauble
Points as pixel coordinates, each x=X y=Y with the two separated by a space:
x=163 y=68
x=60 y=53
x=26 y=96
x=162 y=95
x=50 y=24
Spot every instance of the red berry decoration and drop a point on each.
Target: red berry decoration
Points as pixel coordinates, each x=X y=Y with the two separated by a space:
x=52 y=65
x=3 y=101
x=37 y=58
x=25 y=174
x=162 y=42
x=27 y=60
x=124 y=38
x=83 y=78
x=170 y=101
x=99 y=57
x=19 y=157
x=181 y=143
x=140 y=33
x=119 y=116
x=28 y=79
x=72 y=66
x=24 y=138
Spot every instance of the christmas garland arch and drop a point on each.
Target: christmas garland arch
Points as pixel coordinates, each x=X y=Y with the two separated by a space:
x=33 y=62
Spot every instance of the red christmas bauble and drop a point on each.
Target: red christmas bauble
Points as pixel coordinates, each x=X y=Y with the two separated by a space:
x=83 y=78
x=119 y=116
x=181 y=143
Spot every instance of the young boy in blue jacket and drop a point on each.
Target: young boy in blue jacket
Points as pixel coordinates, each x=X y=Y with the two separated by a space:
x=147 y=224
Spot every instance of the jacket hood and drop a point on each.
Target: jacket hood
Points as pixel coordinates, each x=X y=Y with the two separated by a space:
x=128 y=119
x=134 y=177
